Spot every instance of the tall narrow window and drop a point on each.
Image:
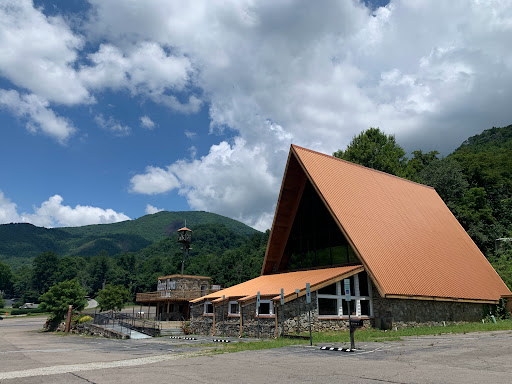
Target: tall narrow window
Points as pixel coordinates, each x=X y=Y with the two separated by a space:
x=331 y=300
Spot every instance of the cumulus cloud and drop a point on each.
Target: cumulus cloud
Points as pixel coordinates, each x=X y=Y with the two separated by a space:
x=153 y=181
x=144 y=69
x=8 y=211
x=112 y=125
x=219 y=182
x=37 y=113
x=433 y=73
x=151 y=209
x=38 y=53
x=146 y=122
x=53 y=213
x=272 y=73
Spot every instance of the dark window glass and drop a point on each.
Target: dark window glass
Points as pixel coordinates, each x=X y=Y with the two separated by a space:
x=327 y=307
x=209 y=308
x=329 y=290
x=352 y=307
x=264 y=309
x=363 y=284
x=352 y=258
x=233 y=308
x=365 y=308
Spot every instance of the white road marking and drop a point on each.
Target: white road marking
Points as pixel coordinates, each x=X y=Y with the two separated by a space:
x=60 y=369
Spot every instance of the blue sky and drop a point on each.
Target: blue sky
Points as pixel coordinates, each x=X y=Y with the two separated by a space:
x=112 y=109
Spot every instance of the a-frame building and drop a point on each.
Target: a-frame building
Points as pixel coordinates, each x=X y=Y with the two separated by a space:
x=408 y=259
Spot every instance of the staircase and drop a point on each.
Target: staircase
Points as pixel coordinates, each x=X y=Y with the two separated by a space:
x=171 y=328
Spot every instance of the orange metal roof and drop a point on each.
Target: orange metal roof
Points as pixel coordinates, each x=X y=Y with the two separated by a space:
x=270 y=285
x=184 y=229
x=408 y=240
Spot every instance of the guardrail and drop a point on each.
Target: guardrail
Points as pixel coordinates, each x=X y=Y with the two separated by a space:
x=171 y=295
x=108 y=320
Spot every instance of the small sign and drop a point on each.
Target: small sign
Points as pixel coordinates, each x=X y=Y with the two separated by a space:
x=308 y=293
x=258 y=300
x=348 y=296
x=282 y=296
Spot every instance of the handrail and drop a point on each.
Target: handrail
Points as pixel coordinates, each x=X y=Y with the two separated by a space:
x=171 y=295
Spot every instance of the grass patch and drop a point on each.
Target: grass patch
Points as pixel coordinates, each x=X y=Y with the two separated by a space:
x=256 y=345
x=380 y=335
x=3 y=311
x=366 y=335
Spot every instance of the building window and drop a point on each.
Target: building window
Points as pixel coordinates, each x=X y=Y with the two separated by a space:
x=266 y=308
x=208 y=308
x=234 y=308
x=331 y=299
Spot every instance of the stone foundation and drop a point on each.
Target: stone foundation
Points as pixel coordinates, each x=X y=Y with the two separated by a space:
x=387 y=314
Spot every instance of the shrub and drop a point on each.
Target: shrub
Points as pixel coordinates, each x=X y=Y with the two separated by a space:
x=186 y=327
x=84 y=319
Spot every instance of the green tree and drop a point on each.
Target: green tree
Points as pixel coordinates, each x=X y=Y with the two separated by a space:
x=447 y=178
x=59 y=297
x=374 y=149
x=45 y=268
x=113 y=297
x=2 y=301
x=6 y=278
x=419 y=162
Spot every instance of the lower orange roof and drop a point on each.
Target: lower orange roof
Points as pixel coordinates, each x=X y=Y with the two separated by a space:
x=271 y=285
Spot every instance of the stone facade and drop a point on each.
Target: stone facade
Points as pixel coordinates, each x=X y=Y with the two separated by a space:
x=387 y=314
x=183 y=283
x=404 y=313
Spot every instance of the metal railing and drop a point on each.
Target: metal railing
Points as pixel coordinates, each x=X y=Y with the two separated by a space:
x=125 y=323
x=171 y=295
x=108 y=320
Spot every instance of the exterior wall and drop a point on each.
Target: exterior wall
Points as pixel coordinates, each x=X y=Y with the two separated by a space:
x=183 y=284
x=404 y=313
x=387 y=314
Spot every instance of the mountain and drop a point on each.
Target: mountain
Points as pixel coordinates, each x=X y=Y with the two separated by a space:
x=22 y=242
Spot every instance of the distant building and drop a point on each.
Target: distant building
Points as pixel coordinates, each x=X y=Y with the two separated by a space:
x=173 y=295
x=406 y=258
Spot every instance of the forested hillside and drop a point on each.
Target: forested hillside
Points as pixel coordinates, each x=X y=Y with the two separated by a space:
x=20 y=243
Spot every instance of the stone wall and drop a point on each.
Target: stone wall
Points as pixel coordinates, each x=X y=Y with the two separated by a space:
x=90 y=329
x=403 y=313
x=388 y=314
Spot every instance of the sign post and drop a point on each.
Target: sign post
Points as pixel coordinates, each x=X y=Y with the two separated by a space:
x=282 y=311
x=297 y=291
x=308 y=301
x=348 y=299
x=258 y=311
x=223 y=319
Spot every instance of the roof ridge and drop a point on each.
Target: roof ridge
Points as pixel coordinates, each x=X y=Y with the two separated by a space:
x=362 y=166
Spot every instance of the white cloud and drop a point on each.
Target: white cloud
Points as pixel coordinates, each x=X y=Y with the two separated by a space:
x=155 y=180
x=231 y=180
x=38 y=53
x=112 y=125
x=40 y=117
x=433 y=73
x=146 y=122
x=190 y=134
x=8 y=211
x=144 y=69
x=151 y=209
x=53 y=213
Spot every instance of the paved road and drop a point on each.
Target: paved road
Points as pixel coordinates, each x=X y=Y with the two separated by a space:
x=28 y=356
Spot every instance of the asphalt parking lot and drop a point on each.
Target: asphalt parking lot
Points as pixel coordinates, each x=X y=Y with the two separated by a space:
x=29 y=356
